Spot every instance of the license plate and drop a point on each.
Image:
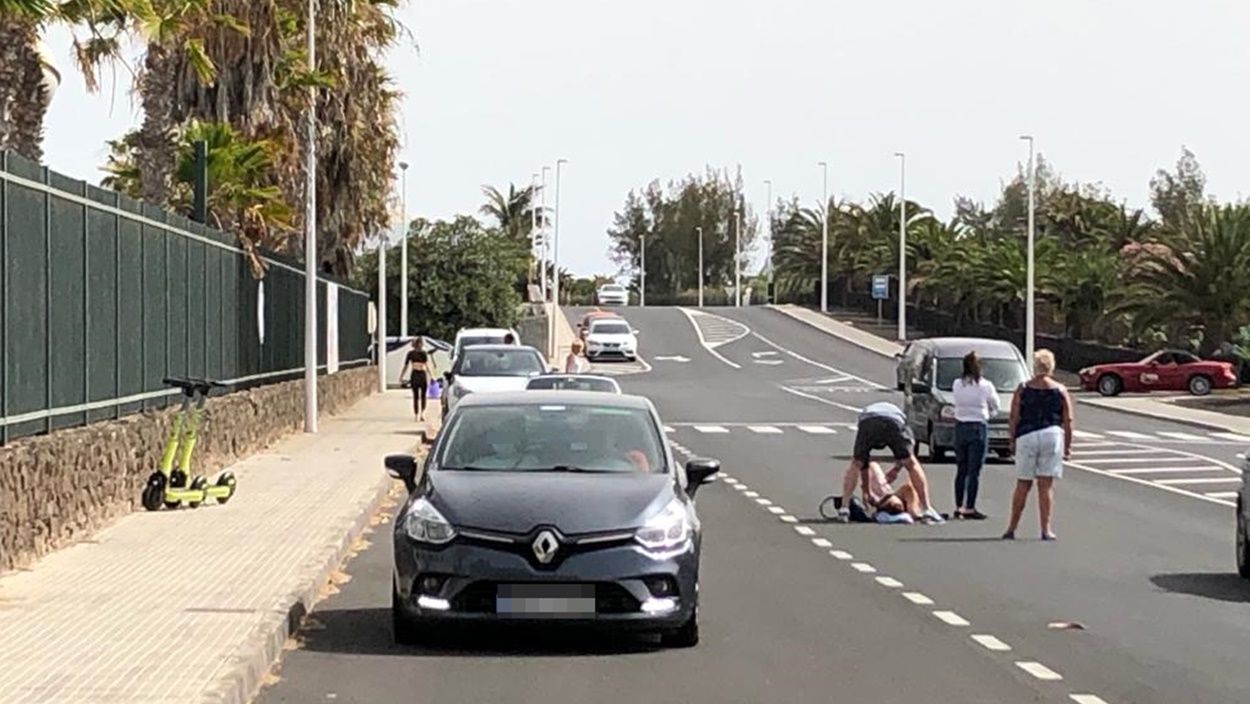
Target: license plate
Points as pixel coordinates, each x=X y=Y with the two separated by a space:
x=545 y=600
x=999 y=434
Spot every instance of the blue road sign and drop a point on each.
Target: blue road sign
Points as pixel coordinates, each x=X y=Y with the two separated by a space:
x=880 y=287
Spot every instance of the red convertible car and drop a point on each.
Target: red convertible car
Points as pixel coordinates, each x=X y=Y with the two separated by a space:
x=1168 y=370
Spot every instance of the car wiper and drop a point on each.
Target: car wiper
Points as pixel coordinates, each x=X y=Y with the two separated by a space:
x=571 y=468
x=469 y=468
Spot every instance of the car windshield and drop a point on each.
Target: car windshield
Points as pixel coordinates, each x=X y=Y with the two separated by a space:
x=481 y=340
x=496 y=362
x=614 y=288
x=573 y=383
x=610 y=329
x=1004 y=374
x=552 y=438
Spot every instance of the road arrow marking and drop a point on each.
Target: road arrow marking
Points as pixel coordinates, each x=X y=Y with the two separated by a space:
x=672 y=358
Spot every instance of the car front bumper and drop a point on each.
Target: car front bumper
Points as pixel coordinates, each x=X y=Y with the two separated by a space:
x=613 y=300
x=617 y=578
x=622 y=352
x=999 y=436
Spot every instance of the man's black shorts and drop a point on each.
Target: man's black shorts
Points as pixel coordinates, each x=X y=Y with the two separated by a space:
x=878 y=433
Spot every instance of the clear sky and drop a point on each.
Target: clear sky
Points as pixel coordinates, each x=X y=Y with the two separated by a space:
x=628 y=92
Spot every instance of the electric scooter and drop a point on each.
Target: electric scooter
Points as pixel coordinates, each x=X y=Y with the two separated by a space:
x=168 y=486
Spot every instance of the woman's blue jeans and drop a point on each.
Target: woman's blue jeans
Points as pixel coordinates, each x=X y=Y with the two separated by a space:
x=971 y=445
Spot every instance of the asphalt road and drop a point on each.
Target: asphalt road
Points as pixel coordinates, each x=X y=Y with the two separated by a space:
x=797 y=610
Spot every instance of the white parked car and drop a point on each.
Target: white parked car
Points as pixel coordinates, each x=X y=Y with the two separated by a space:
x=611 y=337
x=467 y=337
x=487 y=368
x=574 y=382
x=613 y=295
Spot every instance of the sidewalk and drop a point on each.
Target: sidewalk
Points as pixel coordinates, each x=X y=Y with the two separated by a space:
x=1157 y=408
x=195 y=605
x=564 y=337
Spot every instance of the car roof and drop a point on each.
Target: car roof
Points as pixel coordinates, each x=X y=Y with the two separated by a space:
x=501 y=348
x=986 y=348
x=555 y=397
x=562 y=375
x=482 y=332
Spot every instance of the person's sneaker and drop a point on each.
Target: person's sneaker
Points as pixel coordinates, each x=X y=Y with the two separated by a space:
x=931 y=516
x=1049 y=536
x=1009 y=535
x=844 y=515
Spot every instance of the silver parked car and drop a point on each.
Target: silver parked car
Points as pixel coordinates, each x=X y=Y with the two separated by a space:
x=927 y=370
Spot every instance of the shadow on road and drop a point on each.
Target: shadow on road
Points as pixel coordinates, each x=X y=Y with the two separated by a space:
x=367 y=631
x=1221 y=586
x=955 y=539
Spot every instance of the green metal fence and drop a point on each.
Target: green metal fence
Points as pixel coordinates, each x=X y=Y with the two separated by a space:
x=101 y=297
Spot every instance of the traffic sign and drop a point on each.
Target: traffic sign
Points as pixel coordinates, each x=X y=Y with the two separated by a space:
x=880 y=287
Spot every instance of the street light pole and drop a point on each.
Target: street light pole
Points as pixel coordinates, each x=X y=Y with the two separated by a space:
x=738 y=254
x=403 y=251
x=310 y=236
x=902 y=246
x=700 y=229
x=534 y=238
x=642 y=257
x=543 y=225
x=555 y=262
x=1028 y=295
x=824 y=241
x=768 y=249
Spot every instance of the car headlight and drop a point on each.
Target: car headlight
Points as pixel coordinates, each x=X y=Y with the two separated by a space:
x=948 y=413
x=1086 y=371
x=458 y=392
x=666 y=530
x=425 y=524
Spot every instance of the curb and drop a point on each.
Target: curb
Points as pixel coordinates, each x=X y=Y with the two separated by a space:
x=784 y=310
x=1142 y=413
x=245 y=671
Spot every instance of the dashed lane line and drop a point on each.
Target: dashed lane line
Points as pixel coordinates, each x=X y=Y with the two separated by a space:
x=822 y=542
x=1087 y=699
x=889 y=582
x=777 y=510
x=817 y=429
x=789 y=519
x=763 y=502
x=990 y=642
x=917 y=598
x=765 y=429
x=1039 y=670
x=842 y=555
x=951 y=618
x=716 y=429
x=804 y=531
x=863 y=567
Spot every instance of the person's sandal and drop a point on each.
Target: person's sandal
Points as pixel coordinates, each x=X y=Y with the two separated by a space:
x=1009 y=535
x=1049 y=537
x=975 y=515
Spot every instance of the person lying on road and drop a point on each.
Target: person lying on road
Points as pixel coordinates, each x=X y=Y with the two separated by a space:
x=883 y=425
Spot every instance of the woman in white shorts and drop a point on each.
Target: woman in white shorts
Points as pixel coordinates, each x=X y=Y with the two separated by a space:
x=1041 y=431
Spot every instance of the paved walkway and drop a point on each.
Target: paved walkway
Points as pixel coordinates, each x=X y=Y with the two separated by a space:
x=193 y=605
x=1151 y=407
x=564 y=337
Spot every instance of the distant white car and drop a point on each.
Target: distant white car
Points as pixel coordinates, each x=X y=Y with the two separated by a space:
x=467 y=337
x=574 y=382
x=611 y=337
x=613 y=295
x=487 y=368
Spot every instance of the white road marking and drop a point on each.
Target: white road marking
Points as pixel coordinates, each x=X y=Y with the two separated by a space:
x=863 y=567
x=766 y=353
x=817 y=429
x=1146 y=482
x=1086 y=445
x=842 y=554
x=1181 y=436
x=751 y=494
x=1039 y=670
x=804 y=530
x=765 y=429
x=711 y=348
x=990 y=642
x=740 y=486
x=822 y=543
x=1231 y=436
x=1131 y=435
x=816 y=364
x=1085 y=435
x=1122 y=451
x=1200 y=480
x=790 y=519
x=818 y=399
x=1167 y=470
x=776 y=510
x=730 y=480
x=918 y=598
x=669 y=429
x=1140 y=460
x=673 y=358
x=1222 y=494
x=769 y=362
x=890 y=582
x=711 y=429
x=1087 y=699
x=763 y=502
x=951 y=618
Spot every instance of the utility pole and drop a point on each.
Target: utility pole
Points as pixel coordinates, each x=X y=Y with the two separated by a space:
x=700 y=229
x=738 y=253
x=902 y=246
x=642 y=257
x=403 y=251
x=1028 y=296
x=824 y=240
x=380 y=333
x=555 y=264
x=542 y=224
x=310 y=236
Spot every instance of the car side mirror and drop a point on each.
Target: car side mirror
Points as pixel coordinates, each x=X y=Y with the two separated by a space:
x=698 y=472
x=403 y=468
x=637 y=332
x=919 y=387
x=449 y=376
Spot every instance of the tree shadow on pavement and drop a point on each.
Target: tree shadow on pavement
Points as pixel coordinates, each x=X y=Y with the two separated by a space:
x=955 y=539
x=367 y=631
x=1221 y=586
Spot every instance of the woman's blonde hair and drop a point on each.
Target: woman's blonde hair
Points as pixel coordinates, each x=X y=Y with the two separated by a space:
x=577 y=347
x=1044 y=362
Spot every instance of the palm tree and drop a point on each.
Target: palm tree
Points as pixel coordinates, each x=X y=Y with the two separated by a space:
x=513 y=213
x=1199 y=278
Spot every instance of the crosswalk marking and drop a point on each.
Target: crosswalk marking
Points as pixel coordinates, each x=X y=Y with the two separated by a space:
x=1117 y=451
x=1180 y=436
x=1085 y=435
x=765 y=429
x=1200 y=480
x=1130 y=434
x=1231 y=436
x=1167 y=470
x=817 y=429
x=1140 y=460
x=711 y=429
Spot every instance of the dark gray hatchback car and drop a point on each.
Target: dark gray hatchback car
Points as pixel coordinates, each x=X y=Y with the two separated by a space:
x=549 y=507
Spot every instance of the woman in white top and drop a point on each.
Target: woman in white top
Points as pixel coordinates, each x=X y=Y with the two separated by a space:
x=574 y=364
x=976 y=401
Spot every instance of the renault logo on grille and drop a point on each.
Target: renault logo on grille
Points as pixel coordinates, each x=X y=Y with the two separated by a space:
x=545 y=546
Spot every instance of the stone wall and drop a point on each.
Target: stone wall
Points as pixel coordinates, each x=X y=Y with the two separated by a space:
x=61 y=487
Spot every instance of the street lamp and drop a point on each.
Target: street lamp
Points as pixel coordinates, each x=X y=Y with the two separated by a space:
x=403 y=250
x=555 y=262
x=902 y=246
x=534 y=238
x=542 y=256
x=1028 y=295
x=738 y=253
x=642 y=258
x=700 y=230
x=310 y=236
x=824 y=241
x=768 y=247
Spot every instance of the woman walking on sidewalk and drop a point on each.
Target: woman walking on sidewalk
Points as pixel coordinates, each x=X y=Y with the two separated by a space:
x=574 y=363
x=420 y=370
x=976 y=401
x=1041 y=431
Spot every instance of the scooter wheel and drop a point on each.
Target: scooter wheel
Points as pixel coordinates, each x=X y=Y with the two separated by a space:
x=153 y=492
x=226 y=479
x=177 y=479
x=197 y=484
